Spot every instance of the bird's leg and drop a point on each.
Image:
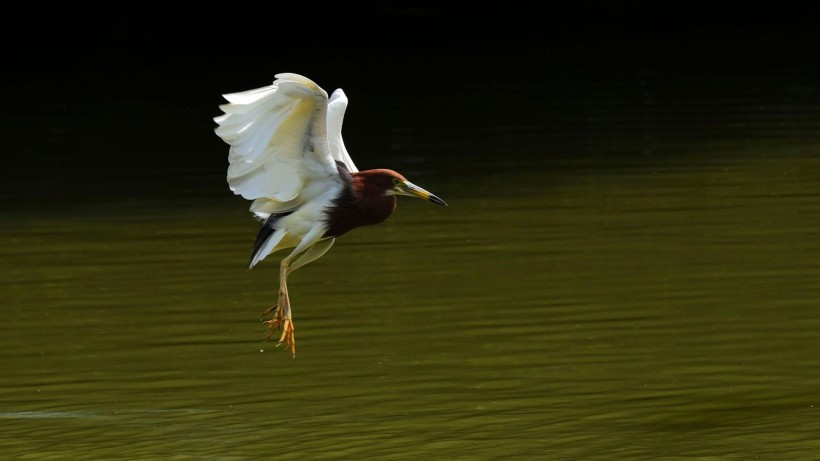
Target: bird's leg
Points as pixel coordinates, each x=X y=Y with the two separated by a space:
x=282 y=318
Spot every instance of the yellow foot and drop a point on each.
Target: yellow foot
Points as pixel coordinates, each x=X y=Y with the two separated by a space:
x=274 y=309
x=288 y=337
x=280 y=322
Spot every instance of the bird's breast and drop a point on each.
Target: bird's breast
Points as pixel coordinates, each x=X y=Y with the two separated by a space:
x=351 y=210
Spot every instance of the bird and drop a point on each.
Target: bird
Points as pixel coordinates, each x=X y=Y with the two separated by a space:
x=286 y=154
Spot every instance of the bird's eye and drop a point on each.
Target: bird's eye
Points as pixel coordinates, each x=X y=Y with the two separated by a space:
x=395 y=181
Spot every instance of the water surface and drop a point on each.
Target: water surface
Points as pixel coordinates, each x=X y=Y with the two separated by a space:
x=633 y=284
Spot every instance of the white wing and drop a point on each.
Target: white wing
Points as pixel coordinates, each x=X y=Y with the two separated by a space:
x=335 y=116
x=279 y=155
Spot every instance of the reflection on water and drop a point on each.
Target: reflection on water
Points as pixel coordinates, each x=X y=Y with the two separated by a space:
x=580 y=308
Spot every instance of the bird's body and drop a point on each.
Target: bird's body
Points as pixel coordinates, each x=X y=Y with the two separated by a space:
x=288 y=156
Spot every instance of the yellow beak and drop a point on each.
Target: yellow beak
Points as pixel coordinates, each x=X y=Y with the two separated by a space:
x=412 y=190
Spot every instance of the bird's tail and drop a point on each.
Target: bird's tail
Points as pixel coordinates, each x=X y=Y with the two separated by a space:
x=267 y=238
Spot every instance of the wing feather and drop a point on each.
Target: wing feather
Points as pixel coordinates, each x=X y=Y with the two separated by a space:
x=278 y=137
x=335 y=116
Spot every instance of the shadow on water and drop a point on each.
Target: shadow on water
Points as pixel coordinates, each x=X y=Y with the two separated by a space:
x=627 y=269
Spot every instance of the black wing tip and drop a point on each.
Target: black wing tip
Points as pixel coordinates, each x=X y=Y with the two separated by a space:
x=267 y=229
x=261 y=237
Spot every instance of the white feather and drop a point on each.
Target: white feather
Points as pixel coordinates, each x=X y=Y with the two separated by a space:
x=335 y=116
x=277 y=137
x=284 y=141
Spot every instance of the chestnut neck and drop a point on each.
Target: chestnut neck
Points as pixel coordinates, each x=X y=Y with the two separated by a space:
x=362 y=202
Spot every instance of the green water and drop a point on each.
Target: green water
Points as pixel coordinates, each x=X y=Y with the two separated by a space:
x=636 y=307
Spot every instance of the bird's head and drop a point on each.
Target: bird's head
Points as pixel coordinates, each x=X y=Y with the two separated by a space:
x=393 y=183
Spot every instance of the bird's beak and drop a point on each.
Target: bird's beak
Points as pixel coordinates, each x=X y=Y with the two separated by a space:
x=412 y=190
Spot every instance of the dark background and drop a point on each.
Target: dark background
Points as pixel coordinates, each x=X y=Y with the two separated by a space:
x=117 y=101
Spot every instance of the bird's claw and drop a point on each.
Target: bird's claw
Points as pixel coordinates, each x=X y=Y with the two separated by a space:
x=274 y=309
x=280 y=322
x=275 y=323
x=287 y=337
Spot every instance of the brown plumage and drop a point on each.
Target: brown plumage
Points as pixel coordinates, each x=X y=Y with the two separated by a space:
x=363 y=201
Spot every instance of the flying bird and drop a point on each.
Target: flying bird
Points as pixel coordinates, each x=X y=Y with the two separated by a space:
x=287 y=155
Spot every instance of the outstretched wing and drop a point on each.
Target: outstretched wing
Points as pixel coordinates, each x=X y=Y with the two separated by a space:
x=279 y=150
x=335 y=116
